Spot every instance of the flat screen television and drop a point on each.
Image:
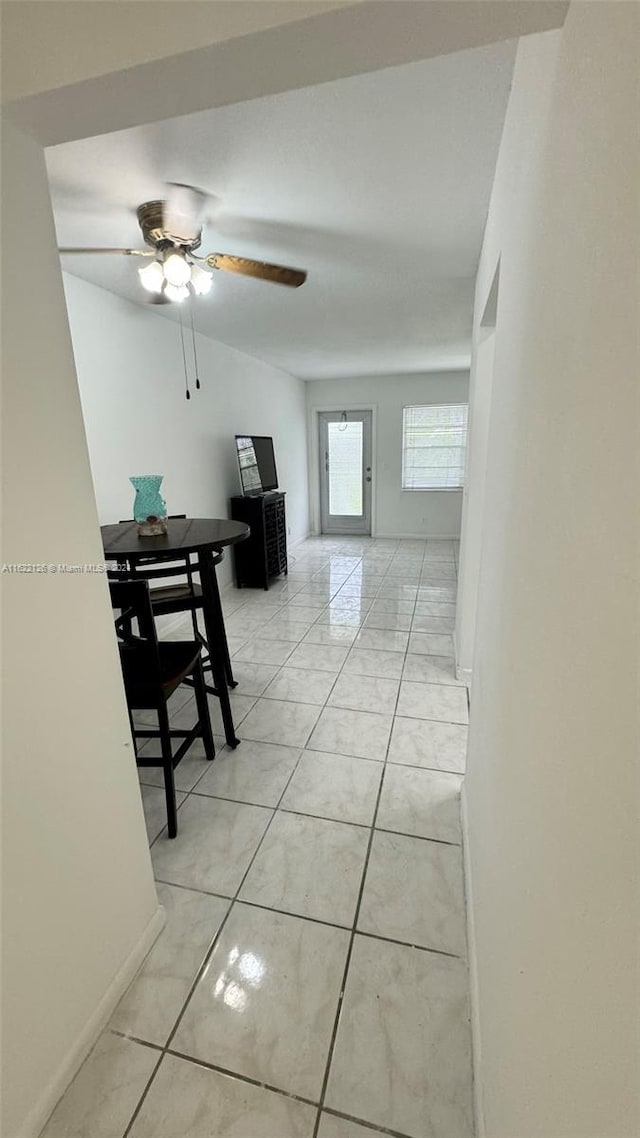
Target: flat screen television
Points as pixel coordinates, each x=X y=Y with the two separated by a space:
x=257 y=463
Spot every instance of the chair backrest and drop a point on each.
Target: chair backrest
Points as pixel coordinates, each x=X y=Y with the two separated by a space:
x=133 y=601
x=177 y=568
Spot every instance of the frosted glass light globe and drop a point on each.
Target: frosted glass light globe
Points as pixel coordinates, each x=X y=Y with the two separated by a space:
x=176 y=292
x=177 y=270
x=201 y=280
x=152 y=277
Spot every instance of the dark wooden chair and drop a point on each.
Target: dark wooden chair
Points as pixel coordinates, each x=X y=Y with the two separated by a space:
x=184 y=596
x=152 y=672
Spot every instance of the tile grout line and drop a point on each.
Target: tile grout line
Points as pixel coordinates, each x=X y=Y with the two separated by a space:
x=240 y=1077
x=345 y=976
x=298 y=916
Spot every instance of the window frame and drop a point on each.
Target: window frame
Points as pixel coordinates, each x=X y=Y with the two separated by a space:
x=432 y=489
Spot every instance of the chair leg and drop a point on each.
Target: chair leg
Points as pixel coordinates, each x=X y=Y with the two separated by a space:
x=133 y=732
x=203 y=712
x=194 y=624
x=167 y=766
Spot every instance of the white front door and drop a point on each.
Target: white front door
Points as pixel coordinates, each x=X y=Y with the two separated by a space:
x=345 y=471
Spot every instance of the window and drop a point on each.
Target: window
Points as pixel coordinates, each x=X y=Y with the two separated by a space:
x=345 y=469
x=434 y=440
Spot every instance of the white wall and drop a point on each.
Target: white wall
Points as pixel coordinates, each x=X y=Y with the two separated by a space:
x=551 y=789
x=138 y=421
x=78 y=896
x=396 y=512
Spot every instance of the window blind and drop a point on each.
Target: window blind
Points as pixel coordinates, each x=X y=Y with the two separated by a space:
x=434 y=441
x=345 y=469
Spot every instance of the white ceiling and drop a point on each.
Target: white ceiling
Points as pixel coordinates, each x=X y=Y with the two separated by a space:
x=378 y=185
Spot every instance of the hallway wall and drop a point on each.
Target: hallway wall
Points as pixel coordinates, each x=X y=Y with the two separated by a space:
x=78 y=891
x=551 y=826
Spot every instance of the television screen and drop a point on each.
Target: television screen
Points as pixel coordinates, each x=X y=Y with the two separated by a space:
x=257 y=463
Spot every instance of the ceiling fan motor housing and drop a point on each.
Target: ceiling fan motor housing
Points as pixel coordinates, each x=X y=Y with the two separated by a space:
x=151 y=221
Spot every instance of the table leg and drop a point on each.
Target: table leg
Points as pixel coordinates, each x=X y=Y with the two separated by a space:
x=214 y=626
x=219 y=615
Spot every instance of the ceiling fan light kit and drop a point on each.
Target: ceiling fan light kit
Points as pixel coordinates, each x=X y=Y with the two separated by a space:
x=173 y=230
x=175 y=276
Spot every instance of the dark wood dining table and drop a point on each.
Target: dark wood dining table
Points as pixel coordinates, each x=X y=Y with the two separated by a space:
x=201 y=537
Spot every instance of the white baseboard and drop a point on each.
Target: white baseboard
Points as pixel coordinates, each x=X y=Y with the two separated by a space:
x=299 y=540
x=419 y=536
x=393 y=537
x=463 y=674
x=47 y=1101
x=476 y=1045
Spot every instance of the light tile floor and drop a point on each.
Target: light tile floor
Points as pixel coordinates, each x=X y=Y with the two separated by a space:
x=311 y=978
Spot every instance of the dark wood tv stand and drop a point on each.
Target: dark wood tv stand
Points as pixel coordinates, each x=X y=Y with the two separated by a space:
x=264 y=554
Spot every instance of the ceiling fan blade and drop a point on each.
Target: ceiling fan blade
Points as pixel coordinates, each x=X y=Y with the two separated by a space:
x=278 y=274
x=123 y=252
x=184 y=210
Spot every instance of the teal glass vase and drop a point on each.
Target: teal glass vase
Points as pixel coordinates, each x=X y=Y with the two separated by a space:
x=149 y=507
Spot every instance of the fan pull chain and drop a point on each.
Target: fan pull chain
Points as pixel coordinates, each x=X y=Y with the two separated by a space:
x=193 y=338
x=184 y=357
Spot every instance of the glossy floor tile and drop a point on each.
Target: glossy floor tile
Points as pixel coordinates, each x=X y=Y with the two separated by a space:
x=282 y=629
x=368 y=662
x=403 y=1051
x=309 y=866
x=254 y=772
x=252 y=679
x=334 y=823
x=382 y=638
x=259 y=651
x=215 y=844
x=280 y=721
x=414 y=893
x=431 y=644
x=431 y=670
x=422 y=803
x=425 y=743
x=301 y=685
x=189 y=1101
x=361 y=733
x=433 y=701
x=438 y=624
x=189 y=771
x=324 y=657
x=341 y=787
x=266 y=1004
x=331 y=1126
x=102 y=1097
x=154 y=1000
x=396 y=621
x=364 y=693
x=342 y=634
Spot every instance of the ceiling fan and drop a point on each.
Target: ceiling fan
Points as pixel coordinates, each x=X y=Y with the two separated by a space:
x=173 y=230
